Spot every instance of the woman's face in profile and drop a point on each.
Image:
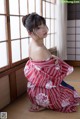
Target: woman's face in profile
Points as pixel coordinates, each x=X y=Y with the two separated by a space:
x=41 y=31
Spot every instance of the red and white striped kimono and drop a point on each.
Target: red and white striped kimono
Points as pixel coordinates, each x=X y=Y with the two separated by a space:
x=46 y=86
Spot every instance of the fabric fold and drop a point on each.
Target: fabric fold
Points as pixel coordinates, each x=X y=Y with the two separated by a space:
x=46 y=86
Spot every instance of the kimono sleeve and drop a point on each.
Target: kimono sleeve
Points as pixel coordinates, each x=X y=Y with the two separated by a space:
x=65 y=68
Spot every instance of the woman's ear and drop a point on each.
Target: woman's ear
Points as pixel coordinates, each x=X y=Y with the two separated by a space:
x=29 y=33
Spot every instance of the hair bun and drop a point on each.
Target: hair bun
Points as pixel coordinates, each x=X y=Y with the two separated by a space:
x=24 y=18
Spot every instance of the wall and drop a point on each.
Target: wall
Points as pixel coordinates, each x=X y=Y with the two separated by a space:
x=12 y=85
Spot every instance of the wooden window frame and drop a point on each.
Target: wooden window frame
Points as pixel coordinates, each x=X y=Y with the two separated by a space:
x=7 y=14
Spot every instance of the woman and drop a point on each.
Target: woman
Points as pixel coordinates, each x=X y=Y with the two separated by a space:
x=45 y=73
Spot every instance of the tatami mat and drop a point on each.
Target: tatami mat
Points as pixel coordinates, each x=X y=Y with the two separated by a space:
x=19 y=108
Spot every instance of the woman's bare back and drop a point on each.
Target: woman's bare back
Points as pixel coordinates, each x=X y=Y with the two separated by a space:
x=38 y=52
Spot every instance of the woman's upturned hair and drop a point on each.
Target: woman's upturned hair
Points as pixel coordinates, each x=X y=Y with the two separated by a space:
x=32 y=21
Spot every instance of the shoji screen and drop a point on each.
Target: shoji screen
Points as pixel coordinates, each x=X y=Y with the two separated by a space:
x=73 y=32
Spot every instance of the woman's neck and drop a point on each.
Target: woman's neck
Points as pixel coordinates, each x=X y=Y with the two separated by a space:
x=38 y=42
